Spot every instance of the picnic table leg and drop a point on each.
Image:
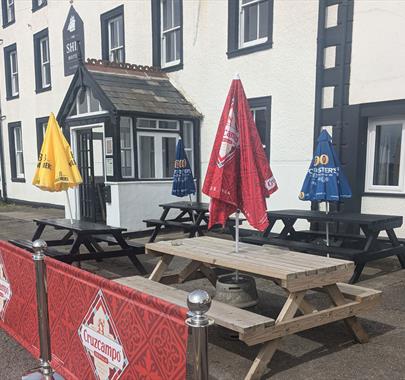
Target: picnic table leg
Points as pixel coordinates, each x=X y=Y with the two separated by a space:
x=352 y=323
x=264 y=356
x=158 y=227
x=394 y=240
x=160 y=268
x=209 y=273
x=197 y=225
x=288 y=228
x=357 y=272
x=38 y=232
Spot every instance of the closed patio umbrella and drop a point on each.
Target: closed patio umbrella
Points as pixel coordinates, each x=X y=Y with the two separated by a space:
x=56 y=168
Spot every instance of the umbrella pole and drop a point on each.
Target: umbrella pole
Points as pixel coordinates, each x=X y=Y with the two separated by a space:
x=237 y=240
x=192 y=213
x=327 y=227
x=69 y=207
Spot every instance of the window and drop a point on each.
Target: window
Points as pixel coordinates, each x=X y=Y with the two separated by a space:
x=41 y=124
x=250 y=26
x=112 y=35
x=85 y=103
x=158 y=124
x=8 y=9
x=385 y=155
x=42 y=61
x=127 y=147
x=16 y=152
x=188 y=142
x=167 y=24
x=11 y=71
x=261 y=111
x=38 y=4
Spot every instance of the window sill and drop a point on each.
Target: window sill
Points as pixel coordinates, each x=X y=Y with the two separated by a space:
x=5 y=25
x=249 y=49
x=22 y=180
x=170 y=69
x=44 y=89
x=383 y=195
x=12 y=97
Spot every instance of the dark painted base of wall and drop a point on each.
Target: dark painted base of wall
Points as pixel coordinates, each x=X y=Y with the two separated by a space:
x=33 y=204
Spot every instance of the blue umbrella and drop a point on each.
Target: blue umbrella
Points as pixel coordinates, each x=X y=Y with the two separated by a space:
x=325 y=180
x=183 y=181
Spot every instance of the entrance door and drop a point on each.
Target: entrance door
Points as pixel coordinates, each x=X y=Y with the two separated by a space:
x=91 y=165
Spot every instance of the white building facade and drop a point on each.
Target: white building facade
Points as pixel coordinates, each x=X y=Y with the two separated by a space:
x=304 y=65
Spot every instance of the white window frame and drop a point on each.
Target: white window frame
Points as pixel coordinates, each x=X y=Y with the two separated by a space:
x=163 y=34
x=44 y=63
x=190 y=126
x=157 y=124
x=371 y=137
x=19 y=170
x=257 y=41
x=111 y=50
x=158 y=157
x=10 y=9
x=99 y=112
x=130 y=148
x=14 y=75
x=254 y=110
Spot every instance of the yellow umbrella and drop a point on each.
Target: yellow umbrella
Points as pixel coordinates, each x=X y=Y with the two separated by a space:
x=56 y=168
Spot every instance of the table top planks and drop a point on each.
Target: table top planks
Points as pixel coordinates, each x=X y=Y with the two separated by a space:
x=291 y=270
x=79 y=226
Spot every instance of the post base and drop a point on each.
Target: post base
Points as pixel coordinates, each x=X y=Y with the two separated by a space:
x=37 y=374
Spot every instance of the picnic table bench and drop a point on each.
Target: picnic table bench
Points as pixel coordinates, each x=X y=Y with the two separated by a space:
x=361 y=249
x=295 y=272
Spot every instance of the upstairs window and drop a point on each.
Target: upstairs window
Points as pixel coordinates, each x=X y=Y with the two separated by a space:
x=250 y=26
x=385 y=155
x=167 y=20
x=8 y=9
x=38 y=4
x=42 y=61
x=112 y=34
x=11 y=71
x=16 y=152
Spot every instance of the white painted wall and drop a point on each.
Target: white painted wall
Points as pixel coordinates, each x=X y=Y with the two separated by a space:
x=286 y=72
x=378 y=72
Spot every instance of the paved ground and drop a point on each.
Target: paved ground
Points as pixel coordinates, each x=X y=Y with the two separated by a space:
x=322 y=353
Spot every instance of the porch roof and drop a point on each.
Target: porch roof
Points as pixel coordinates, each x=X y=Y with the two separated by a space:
x=141 y=91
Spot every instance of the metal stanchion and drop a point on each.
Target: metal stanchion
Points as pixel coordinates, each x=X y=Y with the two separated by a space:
x=45 y=371
x=199 y=303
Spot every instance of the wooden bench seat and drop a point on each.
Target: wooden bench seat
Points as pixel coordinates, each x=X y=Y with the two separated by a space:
x=27 y=245
x=111 y=241
x=242 y=321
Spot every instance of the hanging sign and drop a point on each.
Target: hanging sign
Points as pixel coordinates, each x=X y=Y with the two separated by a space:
x=73 y=40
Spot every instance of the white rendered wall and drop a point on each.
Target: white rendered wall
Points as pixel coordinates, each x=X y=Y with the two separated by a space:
x=378 y=72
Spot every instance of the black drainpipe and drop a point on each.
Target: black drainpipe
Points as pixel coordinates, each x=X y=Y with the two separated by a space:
x=2 y=167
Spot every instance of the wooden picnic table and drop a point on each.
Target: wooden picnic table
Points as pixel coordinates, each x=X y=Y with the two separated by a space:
x=88 y=234
x=191 y=217
x=295 y=272
x=359 y=248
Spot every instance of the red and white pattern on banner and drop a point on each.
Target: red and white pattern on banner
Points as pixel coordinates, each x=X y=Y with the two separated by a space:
x=101 y=341
x=151 y=332
x=5 y=289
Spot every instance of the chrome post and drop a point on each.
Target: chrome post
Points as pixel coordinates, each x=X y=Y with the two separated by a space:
x=199 y=302
x=45 y=371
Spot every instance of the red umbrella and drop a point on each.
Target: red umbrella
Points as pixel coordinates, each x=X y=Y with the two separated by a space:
x=238 y=176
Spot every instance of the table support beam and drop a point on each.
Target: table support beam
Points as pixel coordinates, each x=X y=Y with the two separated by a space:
x=160 y=268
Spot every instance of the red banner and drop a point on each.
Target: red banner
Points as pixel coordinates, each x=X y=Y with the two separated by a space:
x=99 y=329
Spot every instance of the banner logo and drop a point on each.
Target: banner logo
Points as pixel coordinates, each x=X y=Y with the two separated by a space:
x=230 y=139
x=101 y=342
x=5 y=289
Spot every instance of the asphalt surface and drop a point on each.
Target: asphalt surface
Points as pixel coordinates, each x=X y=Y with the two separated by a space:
x=327 y=352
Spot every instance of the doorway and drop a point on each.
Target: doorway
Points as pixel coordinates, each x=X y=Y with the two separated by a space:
x=90 y=159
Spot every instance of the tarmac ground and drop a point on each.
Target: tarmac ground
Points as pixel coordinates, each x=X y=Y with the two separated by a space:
x=327 y=352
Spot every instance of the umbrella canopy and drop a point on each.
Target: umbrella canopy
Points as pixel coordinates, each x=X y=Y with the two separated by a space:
x=238 y=175
x=56 y=168
x=325 y=180
x=183 y=181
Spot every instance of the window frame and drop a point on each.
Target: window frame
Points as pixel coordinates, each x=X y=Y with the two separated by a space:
x=6 y=6
x=44 y=63
x=39 y=123
x=75 y=103
x=369 y=187
x=105 y=20
x=157 y=38
x=16 y=176
x=36 y=6
x=131 y=148
x=235 y=29
x=39 y=80
x=8 y=50
x=264 y=102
